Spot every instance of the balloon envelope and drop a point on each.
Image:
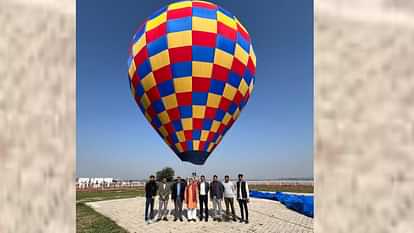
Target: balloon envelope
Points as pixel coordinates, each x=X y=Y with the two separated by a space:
x=191 y=71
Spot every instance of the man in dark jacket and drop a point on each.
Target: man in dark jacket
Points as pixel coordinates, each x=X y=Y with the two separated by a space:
x=150 y=193
x=243 y=198
x=203 y=188
x=177 y=195
x=216 y=195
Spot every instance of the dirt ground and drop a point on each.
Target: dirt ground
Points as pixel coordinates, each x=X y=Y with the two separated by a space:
x=264 y=216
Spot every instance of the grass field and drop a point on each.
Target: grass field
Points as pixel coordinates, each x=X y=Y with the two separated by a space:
x=101 y=195
x=282 y=188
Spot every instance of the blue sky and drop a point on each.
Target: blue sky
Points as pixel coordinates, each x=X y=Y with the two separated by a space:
x=273 y=136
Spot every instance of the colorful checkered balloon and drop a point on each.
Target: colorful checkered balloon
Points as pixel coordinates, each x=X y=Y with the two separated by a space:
x=191 y=71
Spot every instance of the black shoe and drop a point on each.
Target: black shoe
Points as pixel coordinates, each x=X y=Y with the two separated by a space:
x=181 y=219
x=201 y=219
x=189 y=220
x=241 y=220
x=247 y=221
x=175 y=219
x=234 y=219
x=206 y=220
x=165 y=219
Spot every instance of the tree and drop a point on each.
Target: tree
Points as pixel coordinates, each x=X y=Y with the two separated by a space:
x=167 y=173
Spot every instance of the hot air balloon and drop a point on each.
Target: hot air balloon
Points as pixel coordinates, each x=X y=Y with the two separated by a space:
x=191 y=71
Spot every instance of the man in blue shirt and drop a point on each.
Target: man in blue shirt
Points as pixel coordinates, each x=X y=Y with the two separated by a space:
x=177 y=195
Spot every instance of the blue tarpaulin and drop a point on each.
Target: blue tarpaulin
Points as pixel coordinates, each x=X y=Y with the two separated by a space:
x=300 y=203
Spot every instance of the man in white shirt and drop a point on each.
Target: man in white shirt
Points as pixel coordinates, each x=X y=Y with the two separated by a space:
x=203 y=188
x=229 y=194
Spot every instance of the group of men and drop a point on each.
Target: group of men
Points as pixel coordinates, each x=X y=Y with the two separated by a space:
x=194 y=192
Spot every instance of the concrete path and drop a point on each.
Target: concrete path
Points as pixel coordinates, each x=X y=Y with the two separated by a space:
x=264 y=216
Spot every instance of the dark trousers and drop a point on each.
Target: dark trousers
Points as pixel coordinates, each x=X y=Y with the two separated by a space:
x=243 y=205
x=229 y=202
x=149 y=203
x=203 y=205
x=178 y=204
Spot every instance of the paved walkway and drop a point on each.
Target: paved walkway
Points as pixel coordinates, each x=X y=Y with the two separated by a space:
x=264 y=216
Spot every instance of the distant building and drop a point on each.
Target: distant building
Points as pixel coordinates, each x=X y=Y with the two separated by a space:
x=95 y=182
x=82 y=183
x=100 y=182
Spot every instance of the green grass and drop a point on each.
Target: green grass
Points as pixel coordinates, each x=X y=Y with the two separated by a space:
x=90 y=221
x=101 y=195
x=283 y=188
